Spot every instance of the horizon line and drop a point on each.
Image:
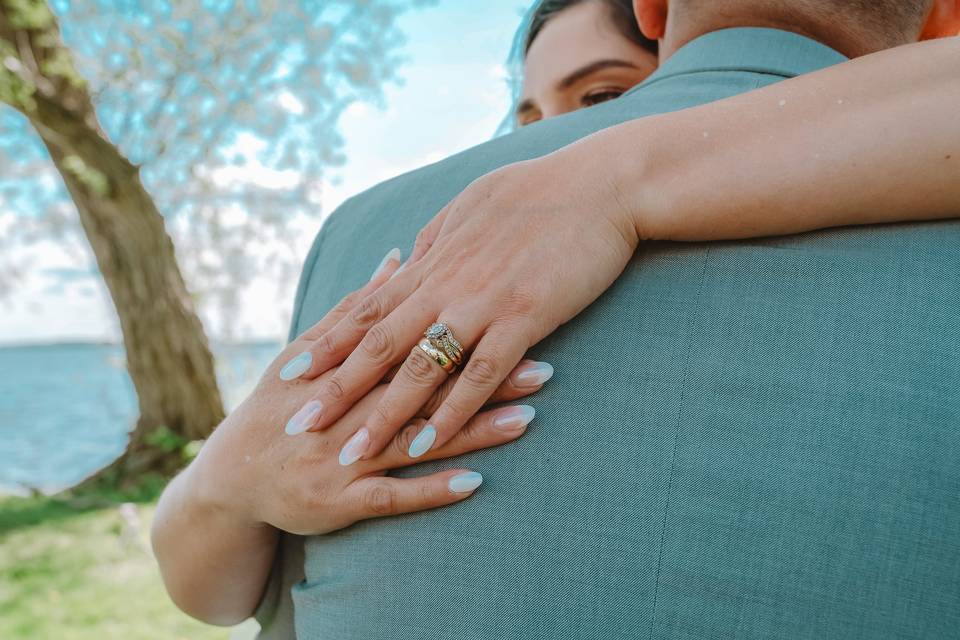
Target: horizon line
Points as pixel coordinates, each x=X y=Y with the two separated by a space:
x=86 y=342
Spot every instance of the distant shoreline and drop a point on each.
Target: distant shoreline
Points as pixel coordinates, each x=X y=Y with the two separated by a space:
x=93 y=343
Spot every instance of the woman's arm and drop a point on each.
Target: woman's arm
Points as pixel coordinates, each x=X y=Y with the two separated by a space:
x=874 y=140
x=215 y=564
x=527 y=247
x=216 y=526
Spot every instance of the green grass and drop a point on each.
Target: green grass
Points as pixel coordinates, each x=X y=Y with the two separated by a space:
x=76 y=570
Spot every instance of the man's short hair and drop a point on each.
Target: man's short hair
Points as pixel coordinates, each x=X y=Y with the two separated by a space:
x=903 y=16
x=896 y=21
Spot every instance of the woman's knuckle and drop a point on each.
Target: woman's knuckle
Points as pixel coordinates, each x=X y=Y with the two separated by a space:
x=426 y=493
x=325 y=344
x=521 y=302
x=481 y=371
x=367 y=312
x=378 y=344
x=419 y=368
x=400 y=444
x=334 y=389
x=424 y=238
x=347 y=303
x=381 y=499
x=404 y=439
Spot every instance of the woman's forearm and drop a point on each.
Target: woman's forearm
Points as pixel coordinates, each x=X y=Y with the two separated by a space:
x=214 y=567
x=875 y=140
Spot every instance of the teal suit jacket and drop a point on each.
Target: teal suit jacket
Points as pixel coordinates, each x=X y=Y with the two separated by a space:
x=776 y=453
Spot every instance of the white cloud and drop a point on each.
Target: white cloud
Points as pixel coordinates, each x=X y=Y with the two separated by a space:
x=254 y=173
x=248 y=169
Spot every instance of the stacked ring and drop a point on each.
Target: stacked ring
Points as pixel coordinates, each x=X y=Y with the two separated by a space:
x=441 y=337
x=438 y=356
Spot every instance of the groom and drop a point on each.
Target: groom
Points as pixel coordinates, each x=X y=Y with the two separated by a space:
x=776 y=454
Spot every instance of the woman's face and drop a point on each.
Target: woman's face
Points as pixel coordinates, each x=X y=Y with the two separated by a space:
x=578 y=60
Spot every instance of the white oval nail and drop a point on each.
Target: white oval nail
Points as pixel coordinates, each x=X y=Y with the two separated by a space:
x=355 y=447
x=422 y=443
x=304 y=419
x=534 y=374
x=514 y=417
x=297 y=367
x=465 y=482
x=399 y=271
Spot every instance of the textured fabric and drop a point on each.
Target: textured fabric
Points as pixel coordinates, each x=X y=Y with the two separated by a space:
x=775 y=456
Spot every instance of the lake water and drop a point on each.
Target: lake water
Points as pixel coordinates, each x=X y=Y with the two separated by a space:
x=66 y=410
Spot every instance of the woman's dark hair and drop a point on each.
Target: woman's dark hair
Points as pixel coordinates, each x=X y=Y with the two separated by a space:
x=539 y=15
x=621 y=12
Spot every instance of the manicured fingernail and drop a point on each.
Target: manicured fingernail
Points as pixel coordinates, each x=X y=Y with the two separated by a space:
x=305 y=418
x=355 y=447
x=399 y=271
x=465 y=482
x=513 y=418
x=422 y=443
x=297 y=367
x=533 y=374
x=393 y=255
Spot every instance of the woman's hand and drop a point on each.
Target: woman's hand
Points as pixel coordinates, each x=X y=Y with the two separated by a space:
x=215 y=529
x=308 y=484
x=517 y=254
x=301 y=485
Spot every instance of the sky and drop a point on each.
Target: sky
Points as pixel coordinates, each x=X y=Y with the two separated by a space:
x=453 y=96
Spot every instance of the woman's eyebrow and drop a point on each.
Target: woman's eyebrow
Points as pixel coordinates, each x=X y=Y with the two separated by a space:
x=593 y=67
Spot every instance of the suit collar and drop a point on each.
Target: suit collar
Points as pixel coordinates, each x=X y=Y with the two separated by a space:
x=750 y=49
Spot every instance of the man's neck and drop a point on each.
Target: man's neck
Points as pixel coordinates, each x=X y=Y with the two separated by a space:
x=848 y=41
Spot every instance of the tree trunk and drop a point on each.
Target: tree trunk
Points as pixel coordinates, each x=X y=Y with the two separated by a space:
x=168 y=357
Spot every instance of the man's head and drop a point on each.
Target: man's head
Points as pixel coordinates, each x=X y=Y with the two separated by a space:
x=853 y=27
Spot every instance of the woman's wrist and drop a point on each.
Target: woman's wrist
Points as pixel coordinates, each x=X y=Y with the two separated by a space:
x=628 y=163
x=214 y=561
x=210 y=489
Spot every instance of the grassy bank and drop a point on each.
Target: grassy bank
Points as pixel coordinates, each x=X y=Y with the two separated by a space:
x=82 y=570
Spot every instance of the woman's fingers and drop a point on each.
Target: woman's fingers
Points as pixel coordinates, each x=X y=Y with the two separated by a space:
x=378 y=352
x=488 y=429
x=356 y=327
x=386 y=344
x=488 y=366
x=308 y=364
x=413 y=386
x=375 y=497
x=381 y=275
x=527 y=378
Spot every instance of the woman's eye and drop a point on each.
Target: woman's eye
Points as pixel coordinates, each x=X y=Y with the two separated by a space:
x=604 y=95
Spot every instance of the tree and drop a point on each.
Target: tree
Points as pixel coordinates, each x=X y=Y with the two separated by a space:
x=142 y=114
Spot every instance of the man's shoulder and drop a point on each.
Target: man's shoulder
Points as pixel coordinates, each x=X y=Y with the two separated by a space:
x=358 y=234
x=715 y=66
x=441 y=181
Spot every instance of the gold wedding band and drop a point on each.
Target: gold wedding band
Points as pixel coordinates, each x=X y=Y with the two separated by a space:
x=441 y=338
x=438 y=356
